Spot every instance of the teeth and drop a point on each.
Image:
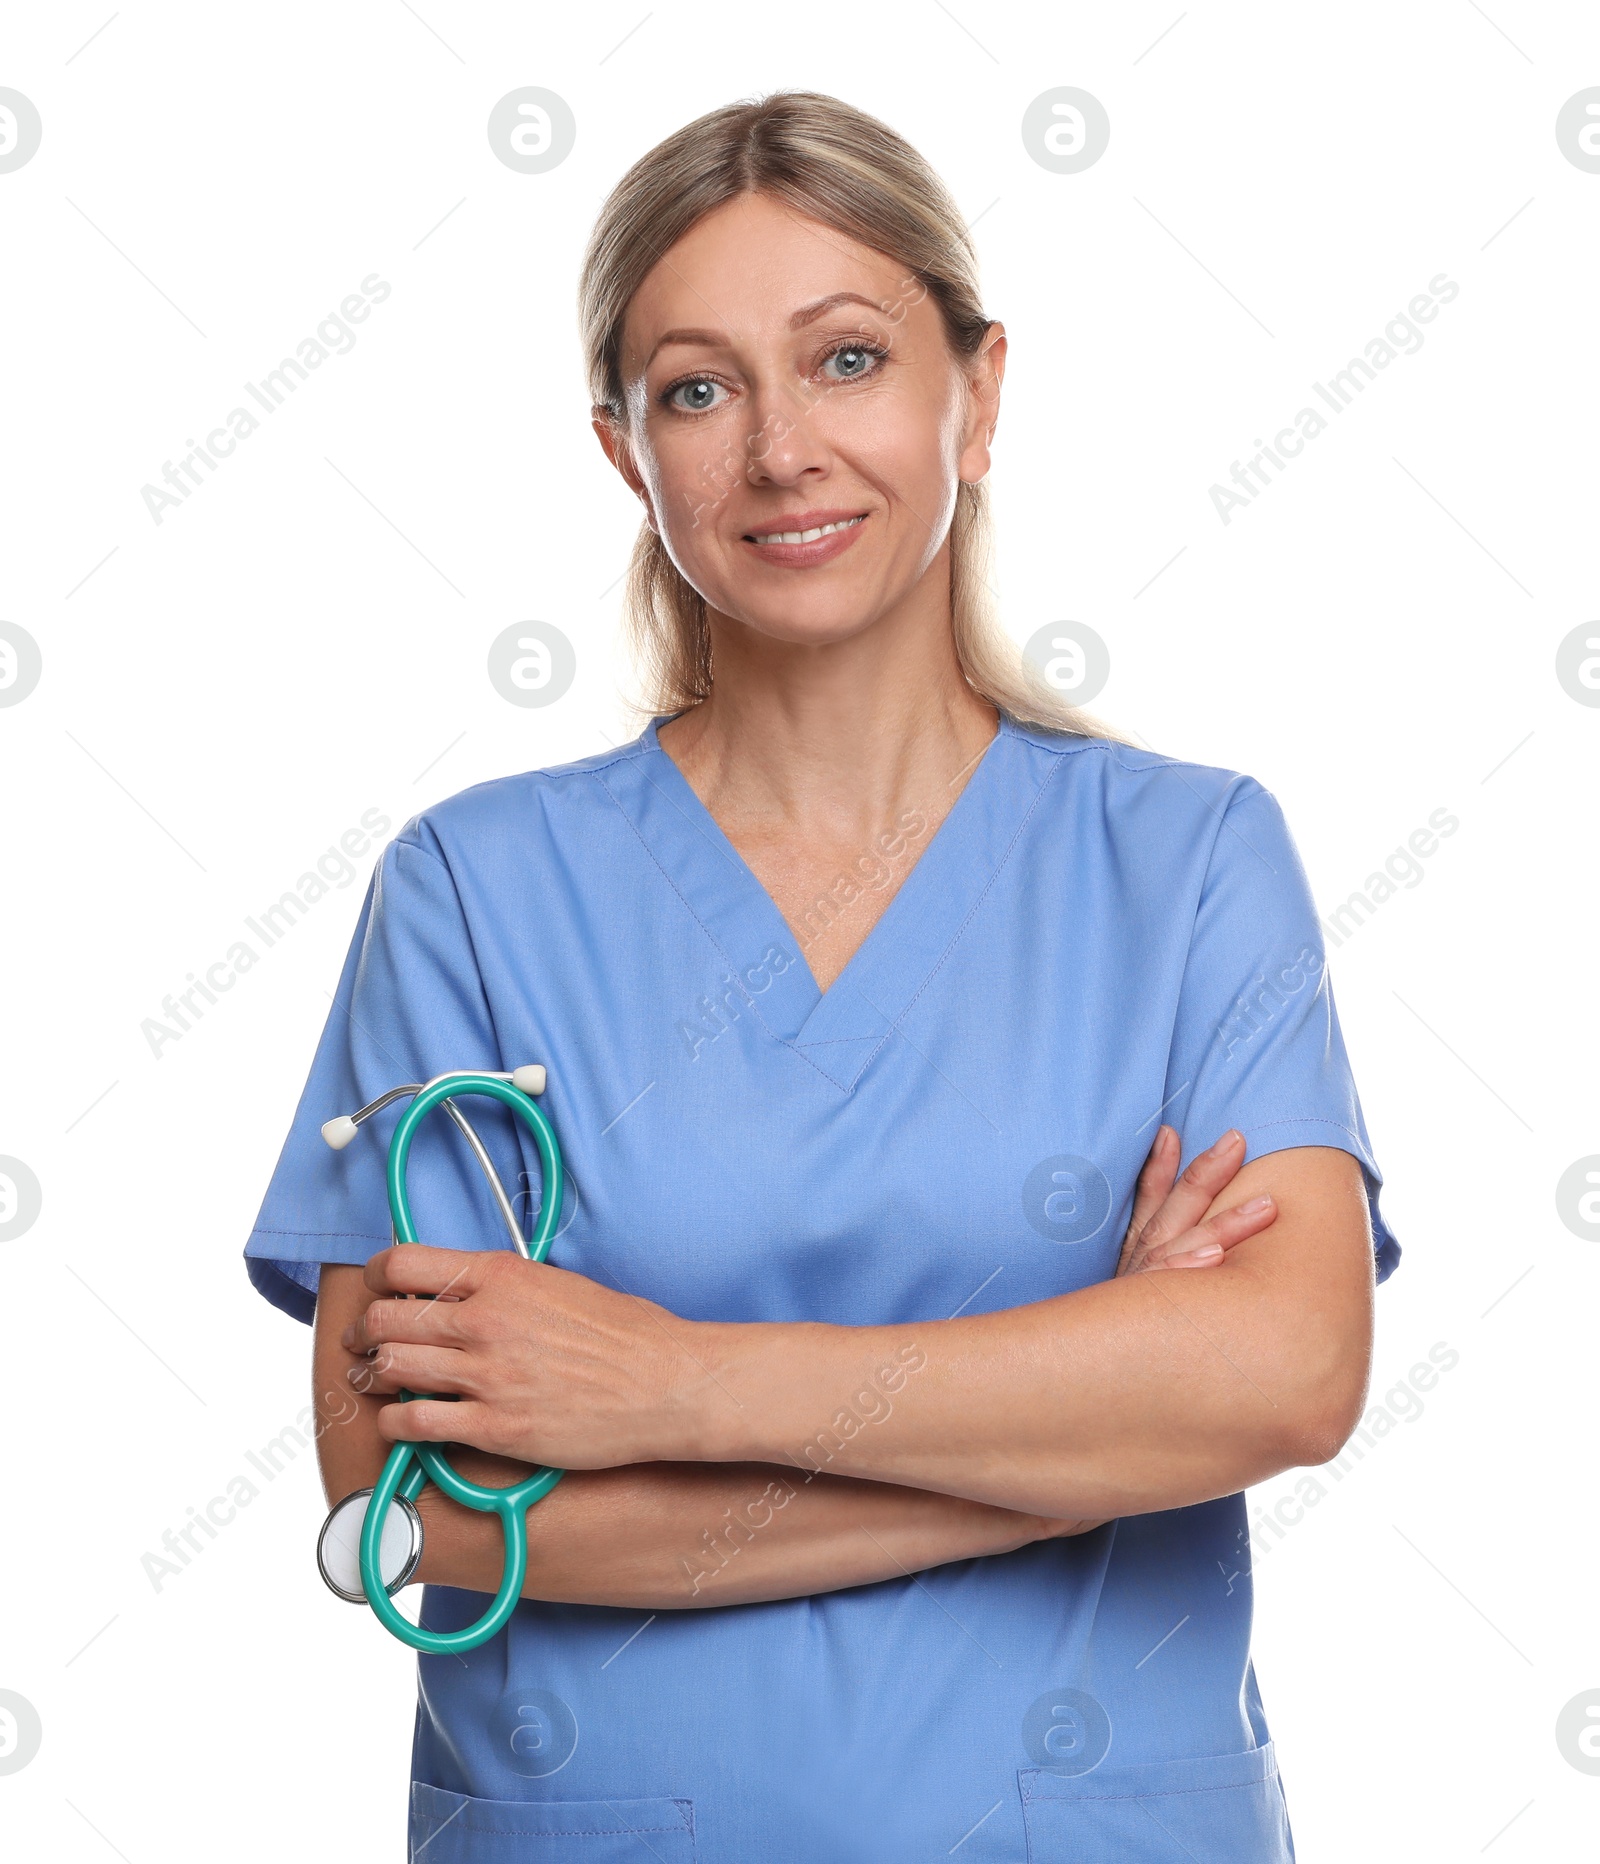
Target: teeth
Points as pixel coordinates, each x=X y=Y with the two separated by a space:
x=805 y=537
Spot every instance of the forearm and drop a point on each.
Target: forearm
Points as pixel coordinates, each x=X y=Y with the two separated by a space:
x=658 y=1536
x=1153 y=1390
x=681 y=1536
x=1128 y=1396
x=1108 y=1402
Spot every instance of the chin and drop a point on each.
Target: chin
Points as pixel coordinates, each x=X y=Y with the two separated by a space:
x=828 y=624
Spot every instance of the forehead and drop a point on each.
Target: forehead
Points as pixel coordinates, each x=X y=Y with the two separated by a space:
x=747 y=267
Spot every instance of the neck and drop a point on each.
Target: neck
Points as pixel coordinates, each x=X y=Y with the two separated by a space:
x=834 y=738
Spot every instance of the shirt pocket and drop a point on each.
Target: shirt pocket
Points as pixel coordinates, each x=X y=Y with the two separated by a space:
x=454 y=1828
x=1222 y=1809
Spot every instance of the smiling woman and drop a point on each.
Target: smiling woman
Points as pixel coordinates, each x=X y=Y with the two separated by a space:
x=790 y=1602
x=859 y=206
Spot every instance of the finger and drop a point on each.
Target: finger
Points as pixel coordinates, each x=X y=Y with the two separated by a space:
x=1206 y=1256
x=1194 y=1192
x=412 y=1369
x=1155 y=1181
x=430 y=1420
x=417 y=1268
x=1156 y=1178
x=414 y=1323
x=1209 y=1242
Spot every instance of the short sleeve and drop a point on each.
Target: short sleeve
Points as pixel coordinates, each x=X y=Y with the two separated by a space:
x=1257 y=1043
x=410 y=1004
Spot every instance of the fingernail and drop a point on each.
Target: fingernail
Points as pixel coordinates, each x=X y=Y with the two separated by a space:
x=1255 y=1204
x=1227 y=1139
x=1207 y=1252
x=348 y=1337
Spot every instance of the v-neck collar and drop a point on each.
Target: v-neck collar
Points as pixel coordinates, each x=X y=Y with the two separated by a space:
x=838 y=1030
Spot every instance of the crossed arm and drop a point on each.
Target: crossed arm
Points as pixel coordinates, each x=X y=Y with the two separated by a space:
x=1234 y=1342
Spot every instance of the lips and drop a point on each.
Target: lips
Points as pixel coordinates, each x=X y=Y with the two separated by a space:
x=792 y=527
x=804 y=539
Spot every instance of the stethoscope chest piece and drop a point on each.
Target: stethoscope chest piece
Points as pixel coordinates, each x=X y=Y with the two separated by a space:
x=339 y=1546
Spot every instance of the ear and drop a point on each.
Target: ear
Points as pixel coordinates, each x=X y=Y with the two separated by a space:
x=614 y=442
x=985 y=372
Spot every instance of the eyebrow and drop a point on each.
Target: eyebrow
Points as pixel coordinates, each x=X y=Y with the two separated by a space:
x=807 y=314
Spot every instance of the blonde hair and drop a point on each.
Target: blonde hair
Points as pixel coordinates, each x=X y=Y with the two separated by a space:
x=839 y=166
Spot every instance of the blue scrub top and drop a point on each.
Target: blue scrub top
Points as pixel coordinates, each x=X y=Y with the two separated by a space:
x=1095 y=939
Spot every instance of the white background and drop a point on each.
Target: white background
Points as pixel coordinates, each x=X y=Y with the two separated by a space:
x=226 y=692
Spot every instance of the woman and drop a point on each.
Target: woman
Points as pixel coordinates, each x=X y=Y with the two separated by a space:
x=882 y=1000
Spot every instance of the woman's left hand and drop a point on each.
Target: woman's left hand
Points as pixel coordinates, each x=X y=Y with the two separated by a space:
x=1169 y=1228
x=543 y=1365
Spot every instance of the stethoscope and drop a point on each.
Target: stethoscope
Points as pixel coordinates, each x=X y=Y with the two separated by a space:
x=371 y=1542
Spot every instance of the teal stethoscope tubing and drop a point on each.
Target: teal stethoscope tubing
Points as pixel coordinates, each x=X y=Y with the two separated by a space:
x=411 y=1466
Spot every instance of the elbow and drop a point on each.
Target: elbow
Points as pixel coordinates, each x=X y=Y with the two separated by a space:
x=1323 y=1389
x=1321 y=1422
x=1314 y=1441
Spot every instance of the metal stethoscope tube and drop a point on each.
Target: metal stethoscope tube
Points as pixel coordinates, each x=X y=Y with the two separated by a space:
x=530 y=1079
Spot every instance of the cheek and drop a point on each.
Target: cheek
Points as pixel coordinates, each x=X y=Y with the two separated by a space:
x=908 y=446
x=690 y=475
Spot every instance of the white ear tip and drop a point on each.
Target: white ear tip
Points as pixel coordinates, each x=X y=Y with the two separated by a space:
x=339 y=1132
x=529 y=1078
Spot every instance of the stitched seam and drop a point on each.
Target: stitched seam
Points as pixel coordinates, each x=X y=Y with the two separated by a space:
x=794 y=1048
x=728 y=855
x=568 y=1831
x=477 y=966
x=710 y=935
x=624 y=755
x=685 y=1824
x=1310 y=1119
x=365 y=1235
x=1361 y=1155
x=1305 y=1119
x=797 y=1048
x=1114 y=750
x=1169 y=1792
x=961 y=930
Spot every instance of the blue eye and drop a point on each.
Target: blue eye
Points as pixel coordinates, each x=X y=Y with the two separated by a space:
x=858 y=359
x=698 y=391
x=699 y=394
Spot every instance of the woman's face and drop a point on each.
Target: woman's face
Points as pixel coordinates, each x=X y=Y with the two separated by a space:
x=781 y=378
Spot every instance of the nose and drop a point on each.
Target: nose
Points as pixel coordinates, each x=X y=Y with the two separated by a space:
x=784 y=439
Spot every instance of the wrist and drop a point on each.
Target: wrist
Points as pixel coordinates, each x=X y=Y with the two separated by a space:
x=709 y=1395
